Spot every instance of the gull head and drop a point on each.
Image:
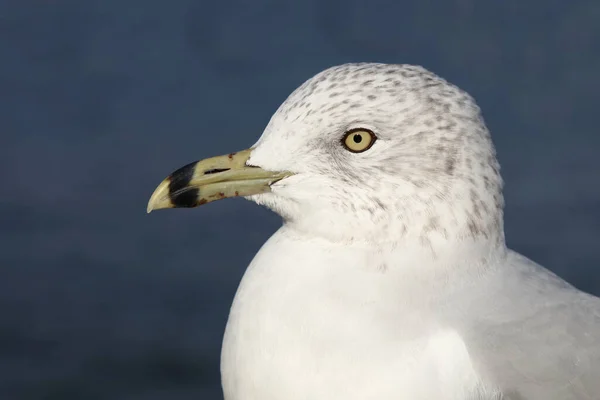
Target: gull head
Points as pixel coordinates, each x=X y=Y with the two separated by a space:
x=364 y=152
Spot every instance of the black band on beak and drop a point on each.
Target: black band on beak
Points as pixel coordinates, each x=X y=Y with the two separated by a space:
x=180 y=193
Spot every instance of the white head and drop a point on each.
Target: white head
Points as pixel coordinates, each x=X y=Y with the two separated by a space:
x=431 y=175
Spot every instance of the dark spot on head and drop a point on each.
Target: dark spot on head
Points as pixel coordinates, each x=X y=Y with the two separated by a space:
x=486 y=182
x=430 y=84
x=473 y=227
x=231 y=155
x=202 y=201
x=382 y=267
x=380 y=204
x=434 y=223
x=473 y=195
x=483 y=206
x=237 y=193
x=404 y=229
x=476 y=210
x=469 y=163
x=419 y=183
x=450 y=164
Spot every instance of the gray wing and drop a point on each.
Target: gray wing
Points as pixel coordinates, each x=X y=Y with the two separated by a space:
x=533 y=335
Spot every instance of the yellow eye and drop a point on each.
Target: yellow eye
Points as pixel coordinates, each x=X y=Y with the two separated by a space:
x=358 y=140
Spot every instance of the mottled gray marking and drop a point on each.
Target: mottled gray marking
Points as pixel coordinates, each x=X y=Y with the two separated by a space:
x=434 y=157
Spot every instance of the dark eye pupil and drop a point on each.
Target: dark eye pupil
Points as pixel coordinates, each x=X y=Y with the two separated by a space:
x=357 y=138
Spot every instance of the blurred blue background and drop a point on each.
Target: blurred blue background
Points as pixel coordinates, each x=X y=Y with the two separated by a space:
x=100 y=100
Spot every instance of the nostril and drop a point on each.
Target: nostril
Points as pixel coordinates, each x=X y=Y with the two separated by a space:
x=215 y=170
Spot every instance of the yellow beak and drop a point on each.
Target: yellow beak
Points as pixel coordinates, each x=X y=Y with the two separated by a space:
x=213 y=179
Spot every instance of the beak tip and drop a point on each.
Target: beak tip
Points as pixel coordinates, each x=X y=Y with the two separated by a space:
x=159 y=198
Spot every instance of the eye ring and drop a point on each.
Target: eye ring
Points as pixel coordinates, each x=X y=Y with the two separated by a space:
x=358 y=140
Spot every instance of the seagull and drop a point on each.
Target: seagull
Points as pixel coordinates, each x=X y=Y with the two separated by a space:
x=389 y=278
